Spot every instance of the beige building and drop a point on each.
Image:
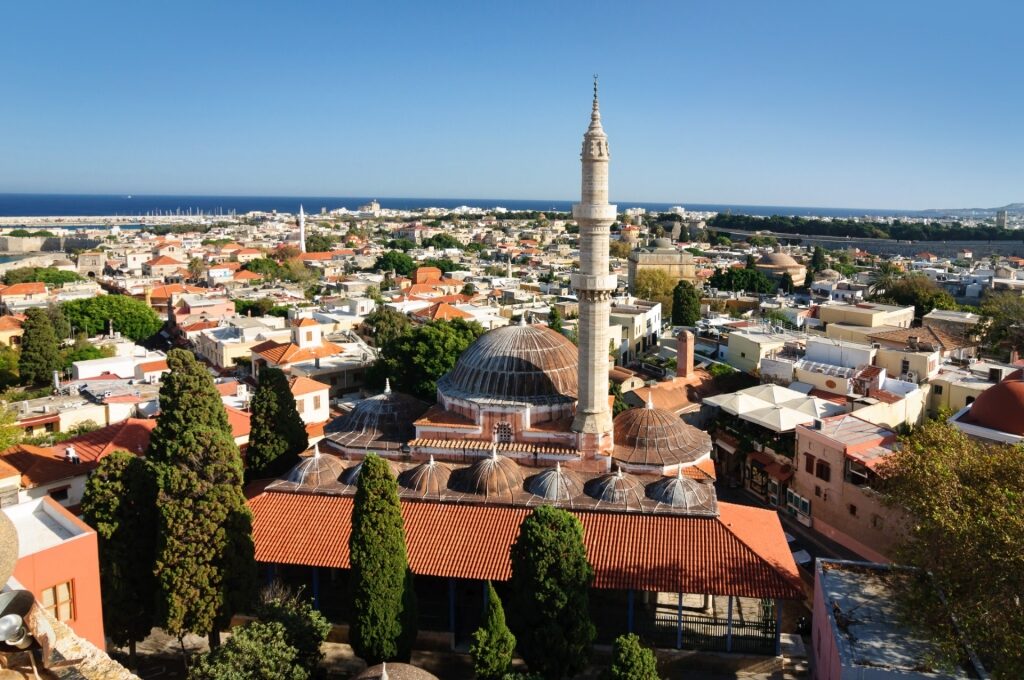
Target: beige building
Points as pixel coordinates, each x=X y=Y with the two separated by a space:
x=748 y=346
x=871 y=314
x=664 y=256
x=955 y=389
x=915 y=366
x=831 y=490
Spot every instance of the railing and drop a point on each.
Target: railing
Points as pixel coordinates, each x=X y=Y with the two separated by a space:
x=707 y=634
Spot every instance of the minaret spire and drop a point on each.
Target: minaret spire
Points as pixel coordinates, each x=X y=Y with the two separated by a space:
x=302 y=229
x=594 y=286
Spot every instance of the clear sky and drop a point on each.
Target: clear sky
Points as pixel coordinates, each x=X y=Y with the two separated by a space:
x=873 y=104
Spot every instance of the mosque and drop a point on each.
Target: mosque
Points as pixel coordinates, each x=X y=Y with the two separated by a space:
x=525 y=418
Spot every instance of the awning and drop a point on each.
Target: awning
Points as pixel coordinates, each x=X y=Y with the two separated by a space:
x=771 y=467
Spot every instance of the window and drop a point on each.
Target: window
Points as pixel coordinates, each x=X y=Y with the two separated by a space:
x=936 y=389
x=59 y=601
x=857 y=473
x=808 y=463
x=797 y=504
x=309 y=336
x=743 y=354
x=61 y=494
x=905 y=366
x=503 y=432
x=877 y=522
x=817 y=491
x=969 y=401
x=823 y=471
x=316 y=402
x=853 y=509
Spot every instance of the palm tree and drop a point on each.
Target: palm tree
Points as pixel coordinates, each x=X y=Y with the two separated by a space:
x=883 y=277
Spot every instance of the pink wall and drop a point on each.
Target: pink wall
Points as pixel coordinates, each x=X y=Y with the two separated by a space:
x=75 y=560
x=823 y=643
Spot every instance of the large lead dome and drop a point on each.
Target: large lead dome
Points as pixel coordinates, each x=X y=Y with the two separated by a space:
x=516 y=363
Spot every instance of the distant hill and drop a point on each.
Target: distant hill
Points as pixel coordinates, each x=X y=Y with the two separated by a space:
x=1012 y=208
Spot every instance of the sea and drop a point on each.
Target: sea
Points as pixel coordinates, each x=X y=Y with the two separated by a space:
x=128 y=205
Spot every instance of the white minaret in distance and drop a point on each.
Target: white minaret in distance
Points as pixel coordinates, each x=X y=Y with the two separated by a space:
x=594 y=287
x=302 y=230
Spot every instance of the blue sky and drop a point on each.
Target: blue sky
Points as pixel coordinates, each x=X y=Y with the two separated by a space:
x=888 y=104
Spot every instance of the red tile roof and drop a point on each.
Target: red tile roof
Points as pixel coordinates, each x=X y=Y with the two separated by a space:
x=164 y=260
x=287 y=352
x=300 y=385
x=31 y=288
x=742 y=552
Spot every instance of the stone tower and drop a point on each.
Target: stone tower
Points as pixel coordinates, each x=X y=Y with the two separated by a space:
x=594 y=287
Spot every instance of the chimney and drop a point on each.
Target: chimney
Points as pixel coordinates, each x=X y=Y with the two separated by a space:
x=684 y=354
x=71 y=456
x=912 y=342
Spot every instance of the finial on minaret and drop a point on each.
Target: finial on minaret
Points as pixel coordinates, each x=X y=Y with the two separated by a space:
x=431 y=460
x=650 y=398
x=494 y=450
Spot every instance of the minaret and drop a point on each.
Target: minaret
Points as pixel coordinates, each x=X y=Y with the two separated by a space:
x=594 y=287
x=302 y=230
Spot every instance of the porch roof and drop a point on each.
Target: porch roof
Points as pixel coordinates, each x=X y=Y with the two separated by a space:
x=741 y=552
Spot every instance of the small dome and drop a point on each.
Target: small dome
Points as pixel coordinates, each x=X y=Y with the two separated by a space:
x=778 y=260
x=351 y=475
x=395 y=671
x=490 y=477
x=663 y=243
x=555 y=484
x=427 y=479
x=530 y=363
x=616 y=488
x=383 y=421
x=653 y=436
x=316 y=471
x=830 y=274
x=1000 y=407
x=682 y=493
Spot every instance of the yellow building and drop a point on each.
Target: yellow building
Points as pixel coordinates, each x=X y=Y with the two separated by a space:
x=870 y=314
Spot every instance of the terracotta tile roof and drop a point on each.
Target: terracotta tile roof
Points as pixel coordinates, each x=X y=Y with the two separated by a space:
x=30 y=288
x=239 y=420
x=129 y=435
x=926 y=335
x=8 y=470
x=305 y=322
x=442 y=310
x=287 y=352
x=199 y=326
x=300 y=385
x=10 y=323
x=150 y=366
x=164 y=260
x=228 y=388
x=314 y=257
x=246 y=275
x=742 y=552
x=436 y=415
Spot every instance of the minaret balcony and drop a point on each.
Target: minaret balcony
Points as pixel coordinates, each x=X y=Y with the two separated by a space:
x=594 y=281
x=589 y=211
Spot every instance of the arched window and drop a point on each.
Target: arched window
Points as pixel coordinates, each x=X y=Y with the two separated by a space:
x=503 y=432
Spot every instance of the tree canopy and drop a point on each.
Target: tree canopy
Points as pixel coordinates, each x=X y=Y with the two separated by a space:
x=655 y=285
x=917 y=290
x=685 y=304
x=40 y=351
x=383 y=622
x=256 y=650
x=48 y=275
x=277 y=434
x=749 y=280
x=384 y=325
x=120 y=504
x=493 y=643
x=396 y=261
x=632 y=661
x=550 y=585
x=1003 y=321
x=903 y=231
x=965 y=499
x=132 y=318
x=305 y=628
x=441 y=241
x=319 y=242
x=421 y=354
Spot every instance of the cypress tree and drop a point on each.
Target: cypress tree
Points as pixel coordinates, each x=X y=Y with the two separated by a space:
x=205 y=567
x=40 y=350
x=383 y=621
x=120 y=504
x=278 y=435
x=685 y=304
x=632 y=661
x=550 y=581
x=189 y=402
x=493 y=643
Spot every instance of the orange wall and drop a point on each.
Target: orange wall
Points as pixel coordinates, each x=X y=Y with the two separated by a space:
x=75 y=560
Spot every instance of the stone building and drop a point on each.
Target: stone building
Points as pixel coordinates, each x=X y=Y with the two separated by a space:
x=662 y=254
x=778 y=264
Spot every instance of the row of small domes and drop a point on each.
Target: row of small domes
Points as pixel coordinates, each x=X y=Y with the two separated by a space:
x=498 y=477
